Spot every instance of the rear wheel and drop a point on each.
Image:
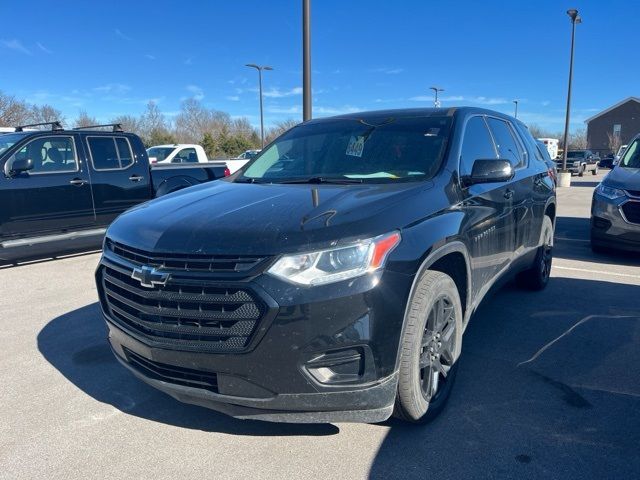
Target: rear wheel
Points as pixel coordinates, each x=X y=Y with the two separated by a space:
x=594 y=171
x=430 y=347
x=581 y=171
x=537 y=277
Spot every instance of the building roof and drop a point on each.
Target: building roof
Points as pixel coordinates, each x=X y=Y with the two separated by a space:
x=613 y=107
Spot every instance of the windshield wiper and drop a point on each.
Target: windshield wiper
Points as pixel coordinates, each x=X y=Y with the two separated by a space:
x=334 y=180
x=247 y=180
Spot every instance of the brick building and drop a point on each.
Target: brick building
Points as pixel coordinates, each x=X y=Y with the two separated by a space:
x=621 y=120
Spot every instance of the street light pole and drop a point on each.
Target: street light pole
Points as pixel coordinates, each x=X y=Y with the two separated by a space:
x=306 y=60
x=516 y=113
x=436 y=103
x=573 y=14
x=260 y=68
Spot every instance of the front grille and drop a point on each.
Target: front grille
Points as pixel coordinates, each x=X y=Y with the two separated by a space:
x=631 y=212
x=172 y=374
x=190 y=263
x=634 y=193
x=192 y=311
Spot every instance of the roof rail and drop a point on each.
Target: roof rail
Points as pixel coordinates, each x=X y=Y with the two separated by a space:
x=117 y=127
x=55 y=126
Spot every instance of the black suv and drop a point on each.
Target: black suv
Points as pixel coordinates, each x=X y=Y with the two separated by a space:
x=332 y=278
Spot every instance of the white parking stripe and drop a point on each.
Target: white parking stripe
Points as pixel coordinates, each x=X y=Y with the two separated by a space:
x=600 y=272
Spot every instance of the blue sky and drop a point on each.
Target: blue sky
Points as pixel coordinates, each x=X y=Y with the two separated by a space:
x=111 y=58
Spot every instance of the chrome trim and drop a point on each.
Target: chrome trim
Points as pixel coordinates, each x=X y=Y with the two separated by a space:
x=622 y=213
x=22 y=242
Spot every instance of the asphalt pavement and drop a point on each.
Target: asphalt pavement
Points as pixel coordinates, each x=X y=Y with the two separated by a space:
x=548 y=387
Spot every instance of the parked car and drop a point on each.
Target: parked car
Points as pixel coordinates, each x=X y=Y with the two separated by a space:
x=608 y=161
x=581 y=161
x=621 y=151
x=615 y=208
x=241 y=160
x=61 y=188
x=177 y=153
x=551 y=165
x=551 y=144
x=333 y=278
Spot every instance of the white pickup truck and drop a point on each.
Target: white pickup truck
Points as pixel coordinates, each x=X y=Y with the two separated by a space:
x=192 y=153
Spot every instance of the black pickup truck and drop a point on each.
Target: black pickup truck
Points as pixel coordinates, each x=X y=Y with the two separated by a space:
x=59 y=189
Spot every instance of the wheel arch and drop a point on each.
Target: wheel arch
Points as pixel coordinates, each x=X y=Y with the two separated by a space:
x=454 y=260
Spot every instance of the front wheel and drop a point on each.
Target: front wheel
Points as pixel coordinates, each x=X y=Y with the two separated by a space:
x=594 y=171
x=581 y=171
x=537 y=277
x=430 y=346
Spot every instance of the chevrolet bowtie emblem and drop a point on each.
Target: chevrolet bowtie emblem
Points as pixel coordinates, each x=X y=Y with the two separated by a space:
x=149 y=276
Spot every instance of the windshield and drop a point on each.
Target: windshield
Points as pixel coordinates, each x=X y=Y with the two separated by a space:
x=372 y=150
x=631 y=158
x=7 y=140
x=160 y=153
x=576 y=154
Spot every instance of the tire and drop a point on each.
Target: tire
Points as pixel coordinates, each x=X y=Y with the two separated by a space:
x=581 y=171
x=434 y=309
x=594 y=171
x=537 y=277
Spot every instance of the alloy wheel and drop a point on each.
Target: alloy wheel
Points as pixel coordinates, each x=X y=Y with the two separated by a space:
x=438 y=347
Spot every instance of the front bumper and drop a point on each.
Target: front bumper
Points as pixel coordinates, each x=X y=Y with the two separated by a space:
x=324 y=354
x=609 y=226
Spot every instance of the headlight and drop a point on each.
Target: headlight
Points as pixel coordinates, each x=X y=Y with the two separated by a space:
x=336 y=264
x=576 y=164
x=610 y=193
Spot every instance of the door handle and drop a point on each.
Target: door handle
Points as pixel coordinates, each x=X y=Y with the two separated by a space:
x=78 y=182
x=508 y=194
x=136 y=178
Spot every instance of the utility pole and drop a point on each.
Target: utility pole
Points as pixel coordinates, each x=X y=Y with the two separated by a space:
x=436 y=103
x=515 y=115
x=573 y=14
x=260 y=68
x=306 y=60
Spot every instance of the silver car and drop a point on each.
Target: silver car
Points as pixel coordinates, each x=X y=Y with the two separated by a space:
x=615 y=209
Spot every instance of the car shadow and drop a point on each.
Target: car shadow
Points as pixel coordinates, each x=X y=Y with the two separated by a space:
x=584 y=184
x=572 y=242
x=50 y=258
x=548 y=387
x=76 y=345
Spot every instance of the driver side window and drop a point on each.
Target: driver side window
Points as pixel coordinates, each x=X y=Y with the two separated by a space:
x=476 y=144
x=50 y=155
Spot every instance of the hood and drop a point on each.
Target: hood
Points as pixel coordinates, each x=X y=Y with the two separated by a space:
x=623 y=178
x=231 y=218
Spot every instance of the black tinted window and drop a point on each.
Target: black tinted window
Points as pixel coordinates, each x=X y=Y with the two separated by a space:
x=506 y=143
x=109 y=153
x=476 y=144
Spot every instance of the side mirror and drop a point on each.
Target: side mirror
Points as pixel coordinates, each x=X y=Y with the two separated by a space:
x=489 y=171
x=18 y=165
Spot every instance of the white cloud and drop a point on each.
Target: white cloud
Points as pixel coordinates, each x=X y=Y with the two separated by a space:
x=121 y=35
x=429 y=98
x=388 y=71
x=277 y=93
x=479 y=100
x=188 y=61
x=295 y=110
x=196 y=92
x=488 y=100
x=546 y=103
x=233 y=98
x=113 y=88
x=150 y=57
x=16 y=45
x=43 y=48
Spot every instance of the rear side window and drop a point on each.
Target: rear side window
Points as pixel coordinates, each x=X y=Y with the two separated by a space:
x=110 y=153
x=477 y=144
x=506 y=143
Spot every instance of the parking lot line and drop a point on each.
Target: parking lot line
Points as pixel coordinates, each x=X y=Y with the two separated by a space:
x=599 y=272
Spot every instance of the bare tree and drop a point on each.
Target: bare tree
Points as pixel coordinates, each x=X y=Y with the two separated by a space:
x=84 y=120
x=129 y=123
x=578 y=140
x=46 y=113
x=279 y=128
x=14 y=112
x=614 y=142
